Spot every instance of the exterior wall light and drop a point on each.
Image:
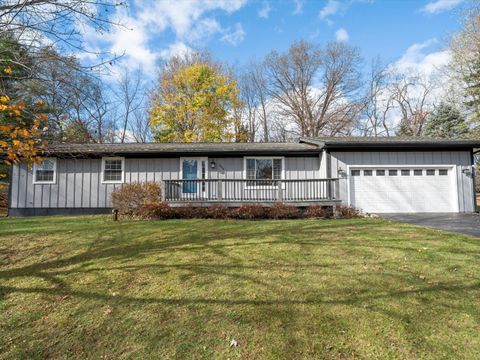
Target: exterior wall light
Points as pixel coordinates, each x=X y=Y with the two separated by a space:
x=212 y=165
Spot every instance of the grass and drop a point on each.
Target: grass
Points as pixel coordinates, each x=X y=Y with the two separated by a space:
x=86 y=287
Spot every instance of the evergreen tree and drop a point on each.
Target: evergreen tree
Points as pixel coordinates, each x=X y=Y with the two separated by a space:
x=446 y=122
x=404 y=130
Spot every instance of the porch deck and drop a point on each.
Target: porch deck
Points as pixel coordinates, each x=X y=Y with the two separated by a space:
x=235 y=192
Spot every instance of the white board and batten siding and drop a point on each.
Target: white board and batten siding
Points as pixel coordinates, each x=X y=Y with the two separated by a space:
x=78 y=181
x=452 y=192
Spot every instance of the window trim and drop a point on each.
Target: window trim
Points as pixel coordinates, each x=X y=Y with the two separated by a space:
x=35 y=168
x=103 y=170
x=282 y=173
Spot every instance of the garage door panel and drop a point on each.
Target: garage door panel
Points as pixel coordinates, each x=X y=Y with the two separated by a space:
x=402 y=193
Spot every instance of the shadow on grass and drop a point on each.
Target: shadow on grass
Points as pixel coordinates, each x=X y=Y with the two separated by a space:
x=121 y=245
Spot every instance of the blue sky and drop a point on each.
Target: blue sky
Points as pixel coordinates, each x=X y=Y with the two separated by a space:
x=238 y=31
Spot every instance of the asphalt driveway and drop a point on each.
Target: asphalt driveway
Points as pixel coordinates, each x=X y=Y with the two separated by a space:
x=466 y=223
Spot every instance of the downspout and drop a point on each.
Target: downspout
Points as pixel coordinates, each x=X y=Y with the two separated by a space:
x=475 y=208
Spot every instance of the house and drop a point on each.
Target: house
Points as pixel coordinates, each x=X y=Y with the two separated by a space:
x=378 y=175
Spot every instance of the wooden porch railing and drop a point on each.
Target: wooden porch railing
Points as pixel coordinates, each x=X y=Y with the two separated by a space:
x=229 y=190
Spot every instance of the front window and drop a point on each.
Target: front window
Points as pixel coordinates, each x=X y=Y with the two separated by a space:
x=113 y=170
x=44 y=172
x=264 y=169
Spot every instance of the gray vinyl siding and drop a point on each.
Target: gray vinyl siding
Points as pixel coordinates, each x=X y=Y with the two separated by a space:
x=460 y=158
x=78 y=181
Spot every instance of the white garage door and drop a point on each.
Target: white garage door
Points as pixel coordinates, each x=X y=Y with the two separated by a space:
x=403 y=189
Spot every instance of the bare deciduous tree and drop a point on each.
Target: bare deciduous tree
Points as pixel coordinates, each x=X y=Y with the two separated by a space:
x=378 y=102
x=317 y=88
x=412 y=96
x=140 y=126
x=57 y=22
x=130 y=96
x=254 y=92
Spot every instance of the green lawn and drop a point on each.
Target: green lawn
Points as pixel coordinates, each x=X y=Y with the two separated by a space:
x=87 y=287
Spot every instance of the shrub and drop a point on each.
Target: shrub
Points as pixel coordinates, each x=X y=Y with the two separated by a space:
x=3 y=196
x=189 y=212
x=284 y=211
x=218 y=211
x=317 y=211
x=156 y=210
x=347 y=212
x=251 y=212
x=131 y=198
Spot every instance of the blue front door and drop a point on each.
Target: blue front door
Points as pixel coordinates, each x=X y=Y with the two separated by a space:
x=190 y=172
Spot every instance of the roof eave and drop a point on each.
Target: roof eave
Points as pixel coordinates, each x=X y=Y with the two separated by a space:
x=314 y=142
x=401 y=146
x=227 y=153
x=455 y=144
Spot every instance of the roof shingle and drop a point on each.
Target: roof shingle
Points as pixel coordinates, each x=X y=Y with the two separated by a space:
x=180 y=148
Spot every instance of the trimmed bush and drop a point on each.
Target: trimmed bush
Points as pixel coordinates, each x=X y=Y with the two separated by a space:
x=218 y=212
x=160 y=210
x=317 y=211
x=283 y=211
x=251 y=212
x=142 y=200
x=131 y=198
x=3 y=199
x=347 y=212
x=189 y=212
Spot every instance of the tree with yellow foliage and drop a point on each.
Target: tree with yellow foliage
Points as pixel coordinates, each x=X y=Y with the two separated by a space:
x=20 y=131
x=194 y=103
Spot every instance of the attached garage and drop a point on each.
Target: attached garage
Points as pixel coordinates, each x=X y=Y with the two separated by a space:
x=401 y=175
x=404 y=189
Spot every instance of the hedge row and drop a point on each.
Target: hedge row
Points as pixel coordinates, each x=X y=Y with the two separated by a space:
x=140 y=201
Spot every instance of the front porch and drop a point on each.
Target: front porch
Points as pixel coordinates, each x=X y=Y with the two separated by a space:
x=235 y=192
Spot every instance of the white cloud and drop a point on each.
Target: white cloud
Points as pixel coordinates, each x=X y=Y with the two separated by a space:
x=264 y=11
x=437 y=6
x=146 y=21
x=182 y=14
x=298 y=7
x=234 y=36
x=423 y=68
x=341 y=35
x=178 y=48
x=416 y=61
x=331 y=8
x=338 y=7
x=203 y=29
